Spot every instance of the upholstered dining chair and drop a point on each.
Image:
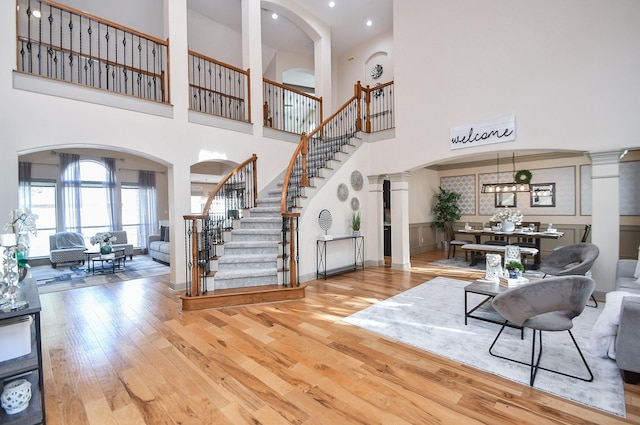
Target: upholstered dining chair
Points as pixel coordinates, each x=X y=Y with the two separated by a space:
x=548 y=305
x=574 y=259
x=453 y=242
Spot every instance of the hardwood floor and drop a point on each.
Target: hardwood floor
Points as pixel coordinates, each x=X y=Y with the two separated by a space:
x=124 y=353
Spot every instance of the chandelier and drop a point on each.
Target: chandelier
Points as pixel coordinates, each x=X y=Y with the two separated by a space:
x=520 y=181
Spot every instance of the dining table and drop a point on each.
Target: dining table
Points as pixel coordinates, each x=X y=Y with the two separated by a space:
x=513 y=237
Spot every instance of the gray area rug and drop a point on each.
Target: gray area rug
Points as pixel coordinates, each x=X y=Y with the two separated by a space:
x=431 y=317
x=74 y=276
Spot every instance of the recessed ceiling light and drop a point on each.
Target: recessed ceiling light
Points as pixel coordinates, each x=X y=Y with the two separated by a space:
x=332 y=4
x=369 y=23
x=274 y=15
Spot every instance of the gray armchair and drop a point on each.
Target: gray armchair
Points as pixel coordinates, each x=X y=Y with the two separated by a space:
x=570 y=260
x=545 y=305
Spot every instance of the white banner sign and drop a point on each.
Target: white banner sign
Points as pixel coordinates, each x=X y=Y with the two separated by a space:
x=485 y=133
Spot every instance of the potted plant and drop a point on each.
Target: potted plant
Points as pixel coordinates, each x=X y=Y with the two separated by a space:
x=514 y=268
x=355 y=223
x=446 y=209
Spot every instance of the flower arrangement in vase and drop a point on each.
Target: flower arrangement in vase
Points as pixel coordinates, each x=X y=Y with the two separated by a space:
x=22 y=224
x=105 y=239
x=515 y=268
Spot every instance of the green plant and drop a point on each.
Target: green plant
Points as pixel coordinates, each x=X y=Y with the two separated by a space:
x=514 y=265
x=355 y=221
x=446 y=207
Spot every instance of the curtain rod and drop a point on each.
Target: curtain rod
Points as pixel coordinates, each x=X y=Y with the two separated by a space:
x=90 y=156
x=151 y=171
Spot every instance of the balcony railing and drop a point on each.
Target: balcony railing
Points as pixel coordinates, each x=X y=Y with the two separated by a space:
x=218 y=89
x=379 y=107
x=62 y=43
x=290 y=110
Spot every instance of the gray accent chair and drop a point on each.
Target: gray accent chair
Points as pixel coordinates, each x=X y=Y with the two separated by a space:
x=122 y=242
x=570 y=260
x=66 y=247
x=544 y=305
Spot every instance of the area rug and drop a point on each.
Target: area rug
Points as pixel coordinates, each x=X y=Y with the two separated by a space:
x=431 y=317
x=63 y=278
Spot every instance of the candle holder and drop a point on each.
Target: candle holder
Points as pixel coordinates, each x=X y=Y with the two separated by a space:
x=10 y=279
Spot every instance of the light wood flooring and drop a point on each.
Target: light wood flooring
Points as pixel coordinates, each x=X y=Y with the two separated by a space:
x=124 y=353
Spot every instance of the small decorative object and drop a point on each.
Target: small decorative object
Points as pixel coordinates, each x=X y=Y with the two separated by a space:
x=343 y=192
x=523 y=176
x=22 y=223
x=506 y=216
x=16 y=396
x=105 y=239
x=355 y=223
x=376 y=71
x=356 y=180
x=10 y=275
x=325 y=221
x=493 y=268
x=355 y=204
x=514 y=268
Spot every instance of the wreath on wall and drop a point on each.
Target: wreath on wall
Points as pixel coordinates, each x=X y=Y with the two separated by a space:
x=523 y=176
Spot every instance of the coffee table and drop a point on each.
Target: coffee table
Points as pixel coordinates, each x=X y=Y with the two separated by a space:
x=483 y=310
x=116 y=260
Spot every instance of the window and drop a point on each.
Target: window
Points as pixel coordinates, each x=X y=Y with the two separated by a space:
x=95 y=211
x=43 y=203
x=130 y=200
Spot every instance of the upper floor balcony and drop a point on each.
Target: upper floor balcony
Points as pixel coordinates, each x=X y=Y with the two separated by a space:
x=63 y=44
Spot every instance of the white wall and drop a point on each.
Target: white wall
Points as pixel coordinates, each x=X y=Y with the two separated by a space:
x=568 y=71
x=214 y=40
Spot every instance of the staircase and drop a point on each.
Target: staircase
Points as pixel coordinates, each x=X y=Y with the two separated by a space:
x=251 y=257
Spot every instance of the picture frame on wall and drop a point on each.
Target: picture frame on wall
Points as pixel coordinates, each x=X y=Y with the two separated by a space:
x=543 y=195
x=506 y=199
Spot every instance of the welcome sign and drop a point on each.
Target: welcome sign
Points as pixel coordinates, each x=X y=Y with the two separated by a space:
x=495 y=131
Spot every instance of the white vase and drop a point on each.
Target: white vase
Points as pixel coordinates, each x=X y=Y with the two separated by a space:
x=508 y=226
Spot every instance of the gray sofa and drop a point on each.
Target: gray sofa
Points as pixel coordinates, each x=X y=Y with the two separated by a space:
x=628 y=336
x=160 y=247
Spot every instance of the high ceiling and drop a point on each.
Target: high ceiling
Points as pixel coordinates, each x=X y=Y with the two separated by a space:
x=347 y=21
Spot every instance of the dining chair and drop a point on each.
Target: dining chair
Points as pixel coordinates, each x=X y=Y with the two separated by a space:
x=453 y=242
x=548 y=305
x=496 y=239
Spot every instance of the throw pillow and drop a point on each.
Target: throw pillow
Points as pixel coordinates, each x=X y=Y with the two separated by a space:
x=164 y=233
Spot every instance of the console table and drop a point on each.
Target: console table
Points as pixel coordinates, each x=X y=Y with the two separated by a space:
x=321 y=259
x=28 y=366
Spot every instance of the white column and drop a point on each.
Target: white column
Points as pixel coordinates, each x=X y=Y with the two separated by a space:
x=374 y=223
x=252 y=57
x=400 y=250
x=605 y=218
x=176 y=28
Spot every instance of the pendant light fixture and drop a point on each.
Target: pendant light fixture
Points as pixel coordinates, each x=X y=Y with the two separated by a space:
x=520 y=181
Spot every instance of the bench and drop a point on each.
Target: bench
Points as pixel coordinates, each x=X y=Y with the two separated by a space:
x=482 y=248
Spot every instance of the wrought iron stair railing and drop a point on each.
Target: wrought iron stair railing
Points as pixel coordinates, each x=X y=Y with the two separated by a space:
x=236 y=192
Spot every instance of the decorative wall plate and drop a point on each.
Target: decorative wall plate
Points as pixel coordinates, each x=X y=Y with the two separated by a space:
x=356 y=180
x=376 y=71
x=355 y=204
x=343 y=192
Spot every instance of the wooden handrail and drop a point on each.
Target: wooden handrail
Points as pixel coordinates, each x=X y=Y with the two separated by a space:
x=285 y=87
x=217 y=62
x=302 y=149
x=104 y=21
x=220 y=185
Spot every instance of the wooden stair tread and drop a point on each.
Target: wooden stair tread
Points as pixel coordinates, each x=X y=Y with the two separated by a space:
x=242 y=296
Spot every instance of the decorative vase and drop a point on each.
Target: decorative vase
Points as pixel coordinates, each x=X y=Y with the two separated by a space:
x=105 y=249
x=508 y=226
x=356 y=233
x=513 y=274
x=16 y=396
